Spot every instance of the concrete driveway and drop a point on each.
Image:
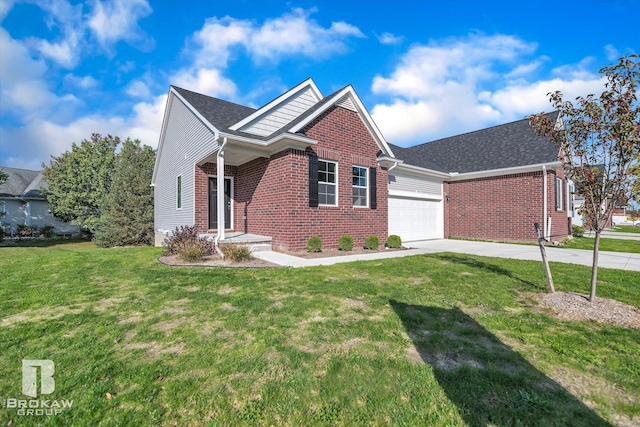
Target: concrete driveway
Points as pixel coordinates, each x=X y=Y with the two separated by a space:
x=619 y=260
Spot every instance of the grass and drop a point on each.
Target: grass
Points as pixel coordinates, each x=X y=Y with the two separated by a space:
x=441 y=339
x=626 y=229
x=606 y=244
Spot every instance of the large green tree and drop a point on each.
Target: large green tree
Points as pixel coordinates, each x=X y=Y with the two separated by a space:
x=127 y=211
x=599 y=142
x=79 y=180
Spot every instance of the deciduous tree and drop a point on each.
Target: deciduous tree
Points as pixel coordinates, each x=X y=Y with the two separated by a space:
x=599 y=142
x=80 y=179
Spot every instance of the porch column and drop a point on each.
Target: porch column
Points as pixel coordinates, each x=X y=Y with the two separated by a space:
x=220 y=191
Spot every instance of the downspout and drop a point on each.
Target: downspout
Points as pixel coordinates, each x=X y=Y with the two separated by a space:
x=221 y=200
x=544 y=202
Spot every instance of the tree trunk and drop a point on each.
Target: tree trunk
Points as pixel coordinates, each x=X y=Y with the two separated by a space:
x=594 y=268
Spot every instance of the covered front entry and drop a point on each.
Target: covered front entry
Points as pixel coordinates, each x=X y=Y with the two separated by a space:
x=213 y=203
x=415 y=219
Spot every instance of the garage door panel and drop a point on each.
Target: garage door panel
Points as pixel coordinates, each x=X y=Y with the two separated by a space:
x=415 y=219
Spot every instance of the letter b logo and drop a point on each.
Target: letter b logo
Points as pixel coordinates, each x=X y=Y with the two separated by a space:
x=30 y=377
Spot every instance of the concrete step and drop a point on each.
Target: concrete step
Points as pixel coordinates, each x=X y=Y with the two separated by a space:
x=260 y=247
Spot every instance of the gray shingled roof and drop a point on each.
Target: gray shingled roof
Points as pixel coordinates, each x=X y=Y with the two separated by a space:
x=218 y=112
x=503 y=146
x=22 y=183
x=223 y=114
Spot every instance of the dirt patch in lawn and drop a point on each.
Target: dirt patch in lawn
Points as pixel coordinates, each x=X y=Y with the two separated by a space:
x=334 y=252
x=574 y=306
x=215 y=261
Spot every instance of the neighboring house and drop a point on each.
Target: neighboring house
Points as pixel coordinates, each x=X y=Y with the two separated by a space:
x=23 y=203
x=305 y=164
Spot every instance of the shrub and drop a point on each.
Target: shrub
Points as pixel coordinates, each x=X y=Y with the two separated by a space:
x=46 y=231
x=24 y=230
x=371 y=242
x=314 y=244
x=1 y=234
x=192 y=251
x=345 y=242
x=577 y=230
x=185 y=238
x=236 y=253
x=394 y=241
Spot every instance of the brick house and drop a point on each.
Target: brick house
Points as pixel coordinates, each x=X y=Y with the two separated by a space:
x=305 y=164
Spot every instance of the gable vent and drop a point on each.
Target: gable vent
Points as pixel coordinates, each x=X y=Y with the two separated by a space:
x=346 y=102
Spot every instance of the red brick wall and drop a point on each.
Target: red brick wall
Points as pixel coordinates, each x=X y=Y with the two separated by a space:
x=501 y=207
x=271 y=196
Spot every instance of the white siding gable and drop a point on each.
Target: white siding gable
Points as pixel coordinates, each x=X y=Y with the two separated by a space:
x=186 y=141
x=282 y=114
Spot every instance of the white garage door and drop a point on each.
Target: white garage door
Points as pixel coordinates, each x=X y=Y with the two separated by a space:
x=415 y=219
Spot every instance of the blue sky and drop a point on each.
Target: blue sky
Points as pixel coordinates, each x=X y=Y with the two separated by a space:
x=424 y=69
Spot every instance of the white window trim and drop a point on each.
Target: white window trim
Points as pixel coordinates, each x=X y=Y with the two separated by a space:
x=558 y=194
x=179 y=201
x=335 y=184
x=366 y=186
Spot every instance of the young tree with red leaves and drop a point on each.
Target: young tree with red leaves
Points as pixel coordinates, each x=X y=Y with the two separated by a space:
x=599 y=143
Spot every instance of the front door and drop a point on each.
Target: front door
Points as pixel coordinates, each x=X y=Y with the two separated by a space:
x=213 y=203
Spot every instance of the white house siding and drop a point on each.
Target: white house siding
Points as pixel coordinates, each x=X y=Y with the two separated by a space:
x=282 y=115
x=14 y=214
x=408 y=185
x=186 y=141
x=416 y=211
x=33 y=212
x=40 y=215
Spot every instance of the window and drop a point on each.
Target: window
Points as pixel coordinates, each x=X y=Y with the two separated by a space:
x=558 y=188
x=179 y=193
x=327 y=188
x=359 y=181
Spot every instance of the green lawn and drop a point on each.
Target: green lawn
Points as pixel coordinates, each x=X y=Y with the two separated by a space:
x=626 y=229
x=442 y=339
x=606 y=244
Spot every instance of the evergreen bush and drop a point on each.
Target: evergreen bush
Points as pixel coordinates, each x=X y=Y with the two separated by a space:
x=314 y=244
x=345 y=242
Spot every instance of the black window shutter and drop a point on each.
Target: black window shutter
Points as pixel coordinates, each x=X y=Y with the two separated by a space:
x=313 y=180
x=373 y=190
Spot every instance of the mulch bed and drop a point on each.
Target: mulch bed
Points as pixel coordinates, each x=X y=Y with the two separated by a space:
x=574 y=306
x=325 y=253
x=215 y=261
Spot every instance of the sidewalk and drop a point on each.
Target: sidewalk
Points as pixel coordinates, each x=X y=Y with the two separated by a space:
x=618 y=260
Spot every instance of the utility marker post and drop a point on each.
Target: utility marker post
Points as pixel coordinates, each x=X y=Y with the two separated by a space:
x=547 y=270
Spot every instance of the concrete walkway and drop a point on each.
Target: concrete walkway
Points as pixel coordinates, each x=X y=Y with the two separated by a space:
x=619 y=260
x=614 y=235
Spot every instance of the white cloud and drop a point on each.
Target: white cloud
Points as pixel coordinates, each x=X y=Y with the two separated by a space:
x=86 y=82
x=138 y=89
x=22 y=78
x=207 y=81
x=291 y=34
x=46 y=137
x=68 y=20
x=611 y=52
x=458 y=85
x=115 y=20
x=5 y=7
x=390 y=39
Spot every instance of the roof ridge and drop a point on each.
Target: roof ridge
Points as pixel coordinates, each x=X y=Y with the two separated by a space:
x=212 y=97
x=474 y=131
